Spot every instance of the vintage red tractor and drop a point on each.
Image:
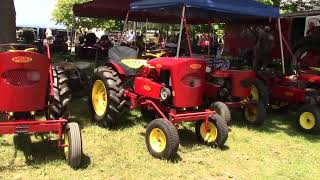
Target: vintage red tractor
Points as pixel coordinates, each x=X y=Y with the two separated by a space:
x=171 y=88
x=297 y=91
x=238 y=89
x=34 y=98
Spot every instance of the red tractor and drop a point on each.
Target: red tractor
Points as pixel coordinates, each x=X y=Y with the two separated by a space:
x=170 y=88
x=34 y=98
x=297 y=91
x=238 y=89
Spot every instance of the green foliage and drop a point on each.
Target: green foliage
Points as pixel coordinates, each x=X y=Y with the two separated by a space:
x=63 y=14
x=289 y=6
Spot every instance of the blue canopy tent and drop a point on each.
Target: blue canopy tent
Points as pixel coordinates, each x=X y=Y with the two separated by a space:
x=217 y=10
x=209 y=9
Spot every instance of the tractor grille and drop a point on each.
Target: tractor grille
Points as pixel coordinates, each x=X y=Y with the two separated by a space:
x=21 y=77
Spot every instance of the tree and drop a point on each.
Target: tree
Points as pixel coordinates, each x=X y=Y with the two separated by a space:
x=8 y=21
x=289 y=6
x=63 y=14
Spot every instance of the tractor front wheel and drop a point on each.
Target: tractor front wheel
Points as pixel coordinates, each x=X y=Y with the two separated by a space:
x=106 y=98
x=255 y=113
x=162 y=139
x=223 y=110
x=216 y=133
x=73 y=142
x=309 y=119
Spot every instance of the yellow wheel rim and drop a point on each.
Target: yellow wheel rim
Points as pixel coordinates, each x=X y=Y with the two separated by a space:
x=307 y=120
x=99 y=98
x=157 y=140
x=254 y=93
x=66 y=148
x=250 y=113
x=211 y=134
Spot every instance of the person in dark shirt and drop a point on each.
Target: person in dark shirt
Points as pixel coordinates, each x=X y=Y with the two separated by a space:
x=263 y=49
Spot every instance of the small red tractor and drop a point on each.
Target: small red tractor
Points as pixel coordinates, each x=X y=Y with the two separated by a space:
x=170 y=88
x=238 y=89
x=34 y=98
x=295 y=91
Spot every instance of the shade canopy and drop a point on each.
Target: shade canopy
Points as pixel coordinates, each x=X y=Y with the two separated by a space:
x=118 y=9
x=110 y=9
x=218 y=10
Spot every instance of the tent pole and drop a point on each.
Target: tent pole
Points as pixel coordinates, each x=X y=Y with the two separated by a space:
x=124 y=26
x=180 y=33
x=145 y=44
x=281 y=46
x=188 y=36
x=73 y=35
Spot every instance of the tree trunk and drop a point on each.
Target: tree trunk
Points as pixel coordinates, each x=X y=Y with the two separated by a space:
x=8 y=21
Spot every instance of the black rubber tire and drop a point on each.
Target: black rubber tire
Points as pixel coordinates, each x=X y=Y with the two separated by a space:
x=306 y=43
x=262 y=91
x=261 y=114
x=58 y=105
x=223 y=110
x=314 y=110
x=75 y=144
x=116 y=103
x=172 y=139
x=222 y=130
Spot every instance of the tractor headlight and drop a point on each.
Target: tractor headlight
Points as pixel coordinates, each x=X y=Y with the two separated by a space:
x=165 y=93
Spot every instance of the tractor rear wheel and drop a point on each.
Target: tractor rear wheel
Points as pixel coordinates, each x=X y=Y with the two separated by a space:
x=162 y=139
x=255 y=113
x=73 y=140
x=106 y=99
x=309 y=119
x=223 y=110
x=58 y=105
x=217 y=132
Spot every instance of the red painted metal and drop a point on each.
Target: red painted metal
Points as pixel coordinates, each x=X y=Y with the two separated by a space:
x=190 y=116
x=312 y=78
x=238 y=79
x=212 y=90
x=187 y=77
x=132 y=97
x=19 y=96
x=147 y=87
x=34 y=126
x=239 y=104
x=116 y=67
x=290 y=94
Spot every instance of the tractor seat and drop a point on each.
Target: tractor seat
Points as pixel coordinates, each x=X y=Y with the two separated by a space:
x=126 y=58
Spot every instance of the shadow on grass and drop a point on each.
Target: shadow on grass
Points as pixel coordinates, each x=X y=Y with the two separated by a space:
x=276 y=122
x=40 y=152
x=80 y=113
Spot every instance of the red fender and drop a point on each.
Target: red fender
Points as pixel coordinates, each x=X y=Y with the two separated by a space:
x=117 y=68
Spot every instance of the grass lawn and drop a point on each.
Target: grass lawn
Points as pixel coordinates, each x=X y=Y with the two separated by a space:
x=275 y=151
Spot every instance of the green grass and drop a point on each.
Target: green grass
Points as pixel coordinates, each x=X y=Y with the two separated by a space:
x=274 y=151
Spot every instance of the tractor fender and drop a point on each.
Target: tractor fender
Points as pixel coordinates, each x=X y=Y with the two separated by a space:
x=117 y=68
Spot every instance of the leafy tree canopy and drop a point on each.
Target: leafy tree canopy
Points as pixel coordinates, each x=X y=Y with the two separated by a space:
x=63 y=14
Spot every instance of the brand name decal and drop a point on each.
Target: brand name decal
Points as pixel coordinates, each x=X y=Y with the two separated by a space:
x=21 y=59
x=146 y=87
x=195 y=66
